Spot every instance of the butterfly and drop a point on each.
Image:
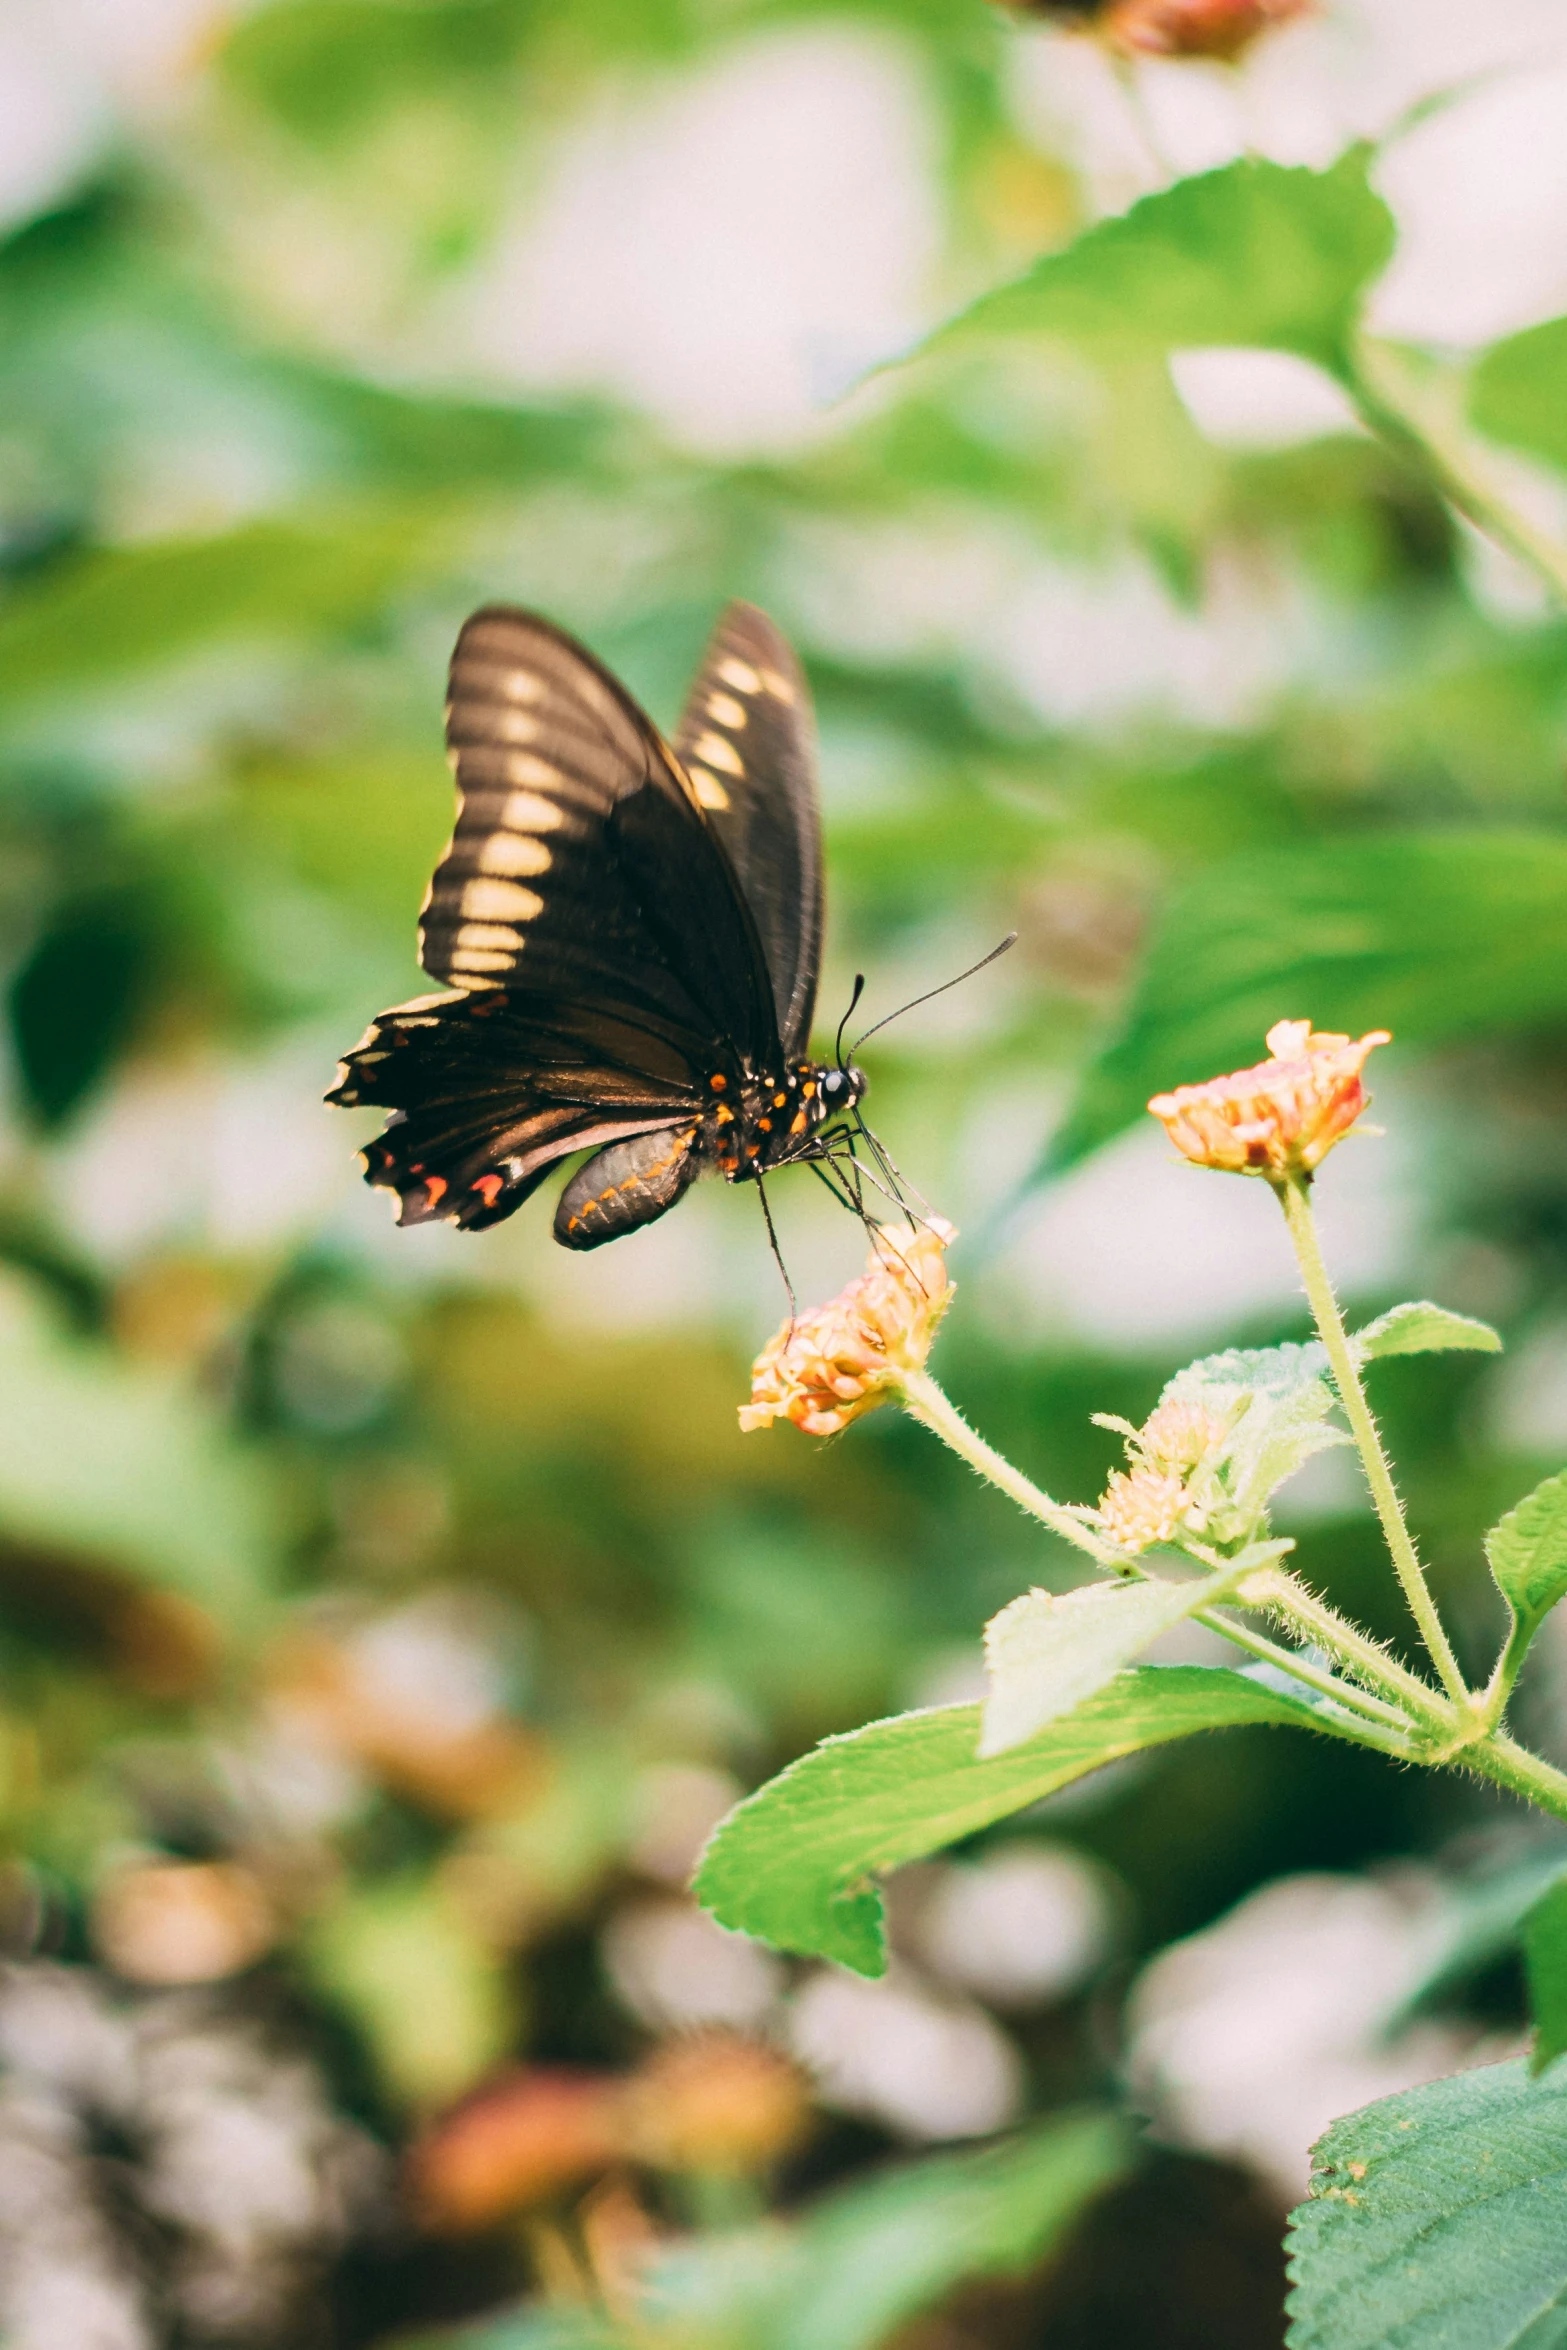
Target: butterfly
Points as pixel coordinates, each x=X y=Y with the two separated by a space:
x=631 y=930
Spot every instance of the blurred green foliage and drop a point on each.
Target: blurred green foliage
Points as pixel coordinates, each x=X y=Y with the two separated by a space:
x=401 y=1577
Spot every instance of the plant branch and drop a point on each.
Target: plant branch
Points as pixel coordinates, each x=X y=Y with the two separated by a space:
x=925 y=1402
x=1512 y=1766
x=1294 y=1197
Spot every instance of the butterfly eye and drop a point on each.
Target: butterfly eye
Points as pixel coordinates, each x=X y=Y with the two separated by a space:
x=832 y=1084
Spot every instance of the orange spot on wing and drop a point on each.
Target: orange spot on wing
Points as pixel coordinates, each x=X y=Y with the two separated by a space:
x=490 y=1188
x=435 y=1189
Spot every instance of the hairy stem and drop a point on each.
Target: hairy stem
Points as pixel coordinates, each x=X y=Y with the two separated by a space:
x=1295 y=1199
x=1376 y=1710
x=1513 y=1766
x=1417 y=1703
x=925 y=1402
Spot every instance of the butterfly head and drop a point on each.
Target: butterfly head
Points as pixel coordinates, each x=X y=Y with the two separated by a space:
x=842 y=1088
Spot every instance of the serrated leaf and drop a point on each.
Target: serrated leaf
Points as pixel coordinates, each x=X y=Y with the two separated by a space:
x=1527 y=1551
x=1518 y=392
x=793 y=1864
x=1420 y=1328
x=1435 y=935
x=1438 y=2221
x=1048 y=1650
x=1255 y=253
x=1545 y=1961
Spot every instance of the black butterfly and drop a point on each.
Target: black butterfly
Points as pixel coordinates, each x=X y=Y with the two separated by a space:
x=634 y=930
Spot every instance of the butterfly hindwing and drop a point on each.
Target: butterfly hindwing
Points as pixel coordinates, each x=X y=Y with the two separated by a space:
x=581 y=871
x=483 y=1098
x=747 y=740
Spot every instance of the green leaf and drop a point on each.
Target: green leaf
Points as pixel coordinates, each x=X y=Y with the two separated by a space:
x=1518 y=392
x=1545 y=1958
x=1049 y=1650
x=1254 y=253
x=1438 y=2221
x=1527 y=1551
x=1420 y=1328
x=792 y=1864
x=1434 y=935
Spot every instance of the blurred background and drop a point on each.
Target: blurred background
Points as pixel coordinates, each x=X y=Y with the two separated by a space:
x=386 y=1617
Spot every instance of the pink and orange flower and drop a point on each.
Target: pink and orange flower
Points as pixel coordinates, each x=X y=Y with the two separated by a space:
x=1281 y=1118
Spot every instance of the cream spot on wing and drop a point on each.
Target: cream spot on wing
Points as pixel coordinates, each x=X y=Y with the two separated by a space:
x=740 y=675
x=708 y=789
x=500 y=901
x=474 y=959
x=530 y=811
x=524 y=767
x=514 y=852
x=523 y=685
x=724 y=710
x=778 y=685
x=490 y=937
x=512 y=726
x=713 y=751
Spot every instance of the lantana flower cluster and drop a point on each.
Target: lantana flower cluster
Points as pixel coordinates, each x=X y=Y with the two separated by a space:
x=1282 y=1117
x=1174 y=1482
x=835 y=1362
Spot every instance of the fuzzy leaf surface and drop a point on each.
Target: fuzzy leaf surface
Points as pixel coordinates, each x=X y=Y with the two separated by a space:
x=1527 y=1551
x=793 y=1864
x=1420 y=1328
x=1048 y=1650
x=1518 y=392
x=1438 y=2221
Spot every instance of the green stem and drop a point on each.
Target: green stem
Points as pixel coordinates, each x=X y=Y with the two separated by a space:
x=1434 y=443
x=1295 y=1199
x=1300 y=1668
x=1316 y=1621
x=1512 y=1766
x=925 y=1402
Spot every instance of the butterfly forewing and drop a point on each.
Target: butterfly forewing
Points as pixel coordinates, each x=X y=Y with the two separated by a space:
x=580 y=871
x=747 y=740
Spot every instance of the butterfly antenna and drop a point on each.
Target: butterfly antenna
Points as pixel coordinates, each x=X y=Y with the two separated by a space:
x=772 y=1241
x=930 y=993
x=859 y=990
